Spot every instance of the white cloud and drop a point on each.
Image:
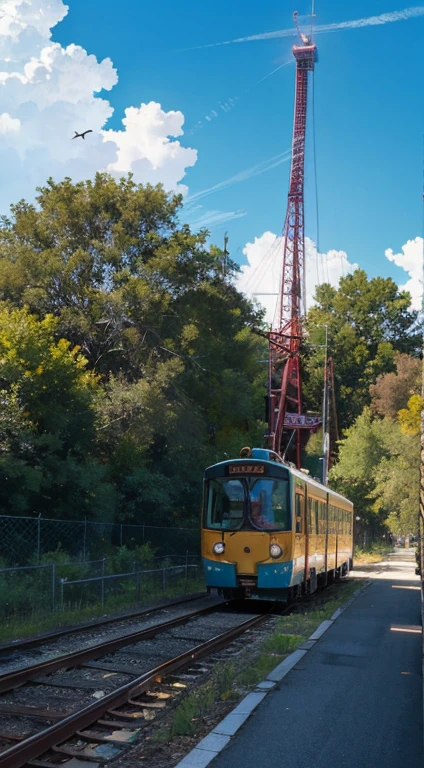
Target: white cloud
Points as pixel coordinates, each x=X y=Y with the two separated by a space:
x=145 y=149
x=411 y=260
x=9 y=124
x=260 y=277
x=47 y=92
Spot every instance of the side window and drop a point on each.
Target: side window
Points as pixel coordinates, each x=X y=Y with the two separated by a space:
x=323 y=512
x=310 y=514
x=300 y=509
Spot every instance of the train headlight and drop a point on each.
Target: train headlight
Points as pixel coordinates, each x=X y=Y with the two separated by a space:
x=275 y=551
x=218 y=548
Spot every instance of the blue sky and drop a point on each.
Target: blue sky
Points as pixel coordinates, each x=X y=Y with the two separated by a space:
x=368 y=110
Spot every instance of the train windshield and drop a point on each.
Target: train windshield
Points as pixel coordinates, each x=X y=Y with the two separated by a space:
x=248 y=503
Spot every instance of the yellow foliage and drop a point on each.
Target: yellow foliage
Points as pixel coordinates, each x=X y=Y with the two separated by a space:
x=410 y=417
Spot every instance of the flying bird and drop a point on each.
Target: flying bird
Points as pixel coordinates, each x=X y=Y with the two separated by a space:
x=81 y=135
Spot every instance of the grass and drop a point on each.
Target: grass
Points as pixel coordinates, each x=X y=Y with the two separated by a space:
x=376 y=554
x=40 y=621
x=202 y=700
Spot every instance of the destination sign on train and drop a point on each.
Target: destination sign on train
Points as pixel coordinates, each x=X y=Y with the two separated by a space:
x=246 y=469
x=301 y=420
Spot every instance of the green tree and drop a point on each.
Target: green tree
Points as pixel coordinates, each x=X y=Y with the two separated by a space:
x=379 y=470
x=47 y=422
x=169 y=338
x=111 y=262
x=368 y=322
x=397 y=482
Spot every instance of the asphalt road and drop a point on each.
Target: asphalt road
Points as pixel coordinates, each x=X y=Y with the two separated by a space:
x=355 y=699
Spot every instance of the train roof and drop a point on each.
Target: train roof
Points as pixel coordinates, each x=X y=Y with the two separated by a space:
x=258 y=455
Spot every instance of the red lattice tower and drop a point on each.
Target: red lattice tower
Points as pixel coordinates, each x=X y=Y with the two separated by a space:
x=285 y=386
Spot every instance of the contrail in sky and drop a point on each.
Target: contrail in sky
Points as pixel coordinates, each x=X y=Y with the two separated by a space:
x=370 y=21
x=255 y=170
x=285 y=64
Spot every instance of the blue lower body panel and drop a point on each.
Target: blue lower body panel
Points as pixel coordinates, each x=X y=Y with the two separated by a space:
x=275 y=575
x=219 y=574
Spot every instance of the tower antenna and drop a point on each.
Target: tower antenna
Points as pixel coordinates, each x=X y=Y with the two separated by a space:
x=225 y=254
x=284 y=400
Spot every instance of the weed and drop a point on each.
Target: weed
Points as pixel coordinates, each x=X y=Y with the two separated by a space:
x=281 y=644
x=257 y=670
x=200 y=702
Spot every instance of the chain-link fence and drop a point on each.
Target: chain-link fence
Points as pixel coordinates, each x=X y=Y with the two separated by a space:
x=25 y=540
x=32 y=593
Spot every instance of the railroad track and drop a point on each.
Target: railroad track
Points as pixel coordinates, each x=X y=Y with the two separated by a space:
x=17 y=677
x=47 y=712
x=141 y=683
x=33 y=642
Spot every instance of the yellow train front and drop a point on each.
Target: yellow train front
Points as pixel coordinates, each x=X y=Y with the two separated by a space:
x=270 y=531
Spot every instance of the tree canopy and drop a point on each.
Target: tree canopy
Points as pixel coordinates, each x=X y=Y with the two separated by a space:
x=368 y=322
x=129 y=362
x=162 y=341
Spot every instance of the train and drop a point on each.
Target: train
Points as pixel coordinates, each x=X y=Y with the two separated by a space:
x=270 y=531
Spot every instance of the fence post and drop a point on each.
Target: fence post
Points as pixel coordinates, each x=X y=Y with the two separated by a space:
x=53 y=585
x=38 y=538
x=121 y=534
x=85 y=539
x=61 y=593
x=103 y=582
x=137 y=586
x=143 y=534
x=185 y=575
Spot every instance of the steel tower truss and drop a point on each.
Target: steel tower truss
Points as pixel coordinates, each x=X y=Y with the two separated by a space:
x=285 y=386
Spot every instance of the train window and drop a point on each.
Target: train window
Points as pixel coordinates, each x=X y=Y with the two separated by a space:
x=309 y=523
x=337 y=526
x=321 y=517
x=300 y=508
x=225 y=504
x=269 y=505
x=312 y=516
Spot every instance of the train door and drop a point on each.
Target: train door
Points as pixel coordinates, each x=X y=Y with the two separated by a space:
x=299 y=524
x=307 y=523
x=337 y=529
x=326 y=523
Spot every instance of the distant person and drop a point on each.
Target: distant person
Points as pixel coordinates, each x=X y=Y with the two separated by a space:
x=258 y=519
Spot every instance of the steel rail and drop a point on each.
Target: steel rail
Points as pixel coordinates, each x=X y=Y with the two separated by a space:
x=34 y=746
x=32 y=642
x=20 y=676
